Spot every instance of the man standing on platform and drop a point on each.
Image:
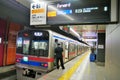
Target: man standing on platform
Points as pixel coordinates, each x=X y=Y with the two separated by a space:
x=59 y=56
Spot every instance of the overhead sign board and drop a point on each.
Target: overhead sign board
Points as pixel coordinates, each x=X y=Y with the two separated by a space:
x=38 y=14
x=79 y=12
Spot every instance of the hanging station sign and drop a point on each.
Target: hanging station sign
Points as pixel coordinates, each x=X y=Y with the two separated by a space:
x=38 y=14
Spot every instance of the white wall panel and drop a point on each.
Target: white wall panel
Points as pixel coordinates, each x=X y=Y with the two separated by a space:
x=112 y=64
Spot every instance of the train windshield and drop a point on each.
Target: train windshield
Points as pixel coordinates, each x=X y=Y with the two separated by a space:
x=35 y=44
x=39 y=47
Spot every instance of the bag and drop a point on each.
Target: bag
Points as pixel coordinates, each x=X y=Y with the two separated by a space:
x=92 y=57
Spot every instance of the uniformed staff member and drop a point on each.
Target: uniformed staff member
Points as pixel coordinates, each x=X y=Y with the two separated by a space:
x=59 y=57
x=92 y=50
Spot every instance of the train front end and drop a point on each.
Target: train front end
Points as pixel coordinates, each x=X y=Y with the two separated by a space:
x=32 y=54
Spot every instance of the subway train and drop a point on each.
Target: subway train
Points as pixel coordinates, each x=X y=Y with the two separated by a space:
x=35 y=51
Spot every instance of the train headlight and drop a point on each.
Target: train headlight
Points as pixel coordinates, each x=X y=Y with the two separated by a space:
x=44 y=65
x=25 y=58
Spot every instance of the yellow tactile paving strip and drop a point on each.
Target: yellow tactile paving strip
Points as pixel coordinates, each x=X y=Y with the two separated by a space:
x=67 y=75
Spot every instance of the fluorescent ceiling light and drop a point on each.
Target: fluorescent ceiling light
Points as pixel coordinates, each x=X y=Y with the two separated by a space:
x=91 y=40
x=36 y=1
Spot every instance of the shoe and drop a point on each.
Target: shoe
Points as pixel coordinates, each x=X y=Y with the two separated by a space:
x=57 y=67
x=63 y=68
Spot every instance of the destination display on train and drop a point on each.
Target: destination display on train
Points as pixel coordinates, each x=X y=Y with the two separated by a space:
x=76 y=12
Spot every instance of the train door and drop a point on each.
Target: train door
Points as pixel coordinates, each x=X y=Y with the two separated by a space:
x=2 y=35
x=11 y=49
x=54 y=46
x=63 y=46
x=66 y=51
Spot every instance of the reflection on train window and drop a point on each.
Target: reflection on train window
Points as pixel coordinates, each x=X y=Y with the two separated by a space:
x=66 y=45
x=19 y=45
x=39 y=45
x=0 y=40
x=72 y=47
x=39 y=48
x=26 y=46
x=61 y=44
x=19 y=42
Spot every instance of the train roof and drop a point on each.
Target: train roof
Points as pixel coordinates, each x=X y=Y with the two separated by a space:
x=58 y=30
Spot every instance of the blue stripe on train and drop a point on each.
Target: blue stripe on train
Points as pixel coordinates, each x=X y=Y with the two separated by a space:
x=33 y=63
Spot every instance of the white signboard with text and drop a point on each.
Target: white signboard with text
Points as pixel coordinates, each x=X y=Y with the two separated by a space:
x=38 y=14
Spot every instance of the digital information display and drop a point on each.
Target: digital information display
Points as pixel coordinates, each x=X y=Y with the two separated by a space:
x=82 y=11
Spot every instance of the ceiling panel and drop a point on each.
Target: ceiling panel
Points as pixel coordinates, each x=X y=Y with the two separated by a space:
x=14 y=11
x=26 y=3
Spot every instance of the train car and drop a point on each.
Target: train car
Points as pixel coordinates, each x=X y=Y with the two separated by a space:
x=35 y=52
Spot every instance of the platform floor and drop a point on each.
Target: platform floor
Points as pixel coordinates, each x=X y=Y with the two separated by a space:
x=79 y=68
x=7 y=72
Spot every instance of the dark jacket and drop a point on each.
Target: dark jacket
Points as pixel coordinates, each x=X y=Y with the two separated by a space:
x=92 y=50
x=58 y=52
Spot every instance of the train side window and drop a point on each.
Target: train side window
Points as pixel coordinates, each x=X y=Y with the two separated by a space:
x=26 y=46
x=19 y=45
x=66 y=45
x=19 y=42
x=71 y=48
